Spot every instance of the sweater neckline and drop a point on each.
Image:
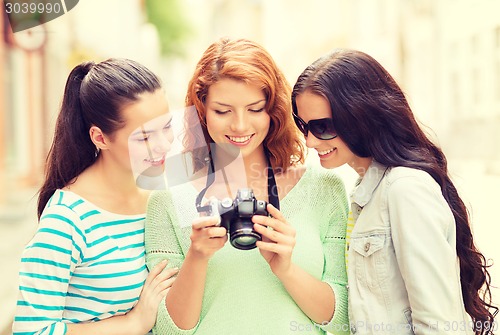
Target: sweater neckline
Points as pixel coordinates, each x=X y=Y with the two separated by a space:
x=305 y=175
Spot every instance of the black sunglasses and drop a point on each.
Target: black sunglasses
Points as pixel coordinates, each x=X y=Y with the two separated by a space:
x=321 y=128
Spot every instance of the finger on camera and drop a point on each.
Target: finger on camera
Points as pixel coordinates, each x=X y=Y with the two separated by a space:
x=205 y=221
x=213 y=244
x=218 y=243
x=216 y=232
x=275 y=213
x=273 y=247
x=266 y=221
x=271 y=234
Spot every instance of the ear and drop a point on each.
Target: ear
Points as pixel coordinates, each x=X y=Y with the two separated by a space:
x=98 y=138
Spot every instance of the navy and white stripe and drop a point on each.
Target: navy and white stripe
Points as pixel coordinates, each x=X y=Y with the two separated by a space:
x=83 y=264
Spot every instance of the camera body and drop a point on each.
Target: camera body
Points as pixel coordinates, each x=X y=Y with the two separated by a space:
x=236 y=216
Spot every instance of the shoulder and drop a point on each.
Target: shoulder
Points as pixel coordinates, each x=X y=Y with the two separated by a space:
x=159 y=201
x=311 y=172
x=320 y=186
x=160 y=204
x=398 y=172
x=159 y=197
x=405 y=179
x=65 y=212
x=414 y=187
x=413 y=194
x=65 y=203
x=325 y=179
x=323 y=192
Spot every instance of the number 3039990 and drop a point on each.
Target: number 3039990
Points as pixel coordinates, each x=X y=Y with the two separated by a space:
x=32 y=7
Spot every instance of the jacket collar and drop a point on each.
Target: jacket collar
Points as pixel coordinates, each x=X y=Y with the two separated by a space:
x=366 y=185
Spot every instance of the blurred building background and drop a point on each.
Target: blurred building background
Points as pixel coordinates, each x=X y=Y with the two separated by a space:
x=444 y=53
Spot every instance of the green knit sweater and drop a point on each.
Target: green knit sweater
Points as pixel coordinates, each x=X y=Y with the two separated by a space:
x=242 y=295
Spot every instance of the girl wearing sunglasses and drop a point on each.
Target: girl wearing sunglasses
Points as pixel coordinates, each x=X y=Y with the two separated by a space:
x=411 y=261
x=294 y=281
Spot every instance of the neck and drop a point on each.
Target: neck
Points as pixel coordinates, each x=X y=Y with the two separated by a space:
x=117 y=179
x=361 y=165
x=249 y=171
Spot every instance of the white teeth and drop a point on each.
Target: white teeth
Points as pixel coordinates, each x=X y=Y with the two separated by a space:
x=239 y=139
x=156 y=160
x=322 y=153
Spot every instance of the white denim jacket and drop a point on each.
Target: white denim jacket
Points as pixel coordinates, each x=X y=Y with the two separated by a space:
x=403 y=270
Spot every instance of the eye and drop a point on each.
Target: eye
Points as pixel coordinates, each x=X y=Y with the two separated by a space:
x=221 y=112
x=142 y=139
x=257 y=110
x=168 y=125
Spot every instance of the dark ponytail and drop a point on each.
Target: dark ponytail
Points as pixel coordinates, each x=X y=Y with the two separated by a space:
x=93 y=95
x=71 y=136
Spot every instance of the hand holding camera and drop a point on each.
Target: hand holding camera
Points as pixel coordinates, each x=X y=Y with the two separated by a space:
x=207 y=236
x=236 y=216
x=278 y=241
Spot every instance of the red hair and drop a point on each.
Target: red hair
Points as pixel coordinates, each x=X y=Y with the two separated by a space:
x=249 y=62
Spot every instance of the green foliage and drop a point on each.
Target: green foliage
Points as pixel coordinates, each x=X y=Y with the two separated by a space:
x=171 y=23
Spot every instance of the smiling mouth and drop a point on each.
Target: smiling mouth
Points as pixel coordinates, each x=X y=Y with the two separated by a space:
x=325 y=152
x=239 y=139
x=155 y=161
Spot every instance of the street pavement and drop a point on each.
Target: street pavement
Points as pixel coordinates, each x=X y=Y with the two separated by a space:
x=478 y=188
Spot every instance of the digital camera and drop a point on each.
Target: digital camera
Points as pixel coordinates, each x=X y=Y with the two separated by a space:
x=236 y=217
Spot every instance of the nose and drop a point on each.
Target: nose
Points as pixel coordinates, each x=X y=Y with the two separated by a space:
x=162 y=144
x=239 y=122
x=312 y=141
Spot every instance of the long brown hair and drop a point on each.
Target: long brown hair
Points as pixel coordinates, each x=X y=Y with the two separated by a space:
x=247 y=61
x=94 y=95
x=374 y=119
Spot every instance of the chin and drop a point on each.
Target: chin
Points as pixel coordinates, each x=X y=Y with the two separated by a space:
x=153 y=171
x=329 y=164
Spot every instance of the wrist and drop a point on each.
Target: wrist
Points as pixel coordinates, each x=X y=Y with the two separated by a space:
x=133 y=322
x=285 y=275
x=196 y=256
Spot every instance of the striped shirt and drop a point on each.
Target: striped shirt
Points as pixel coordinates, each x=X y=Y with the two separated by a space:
x=83 y=264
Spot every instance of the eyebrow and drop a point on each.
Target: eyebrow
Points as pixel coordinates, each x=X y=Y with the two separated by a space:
x=142 y=131
x=228 y=105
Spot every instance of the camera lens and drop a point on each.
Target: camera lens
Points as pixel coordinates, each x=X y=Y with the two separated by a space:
x=245 y=240
x=242 y=235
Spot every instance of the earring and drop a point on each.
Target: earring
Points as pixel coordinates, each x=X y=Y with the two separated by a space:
x=97 y=151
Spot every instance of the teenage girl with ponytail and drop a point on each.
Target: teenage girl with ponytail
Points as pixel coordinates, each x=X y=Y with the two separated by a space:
x=84 y=270
x=412 y=264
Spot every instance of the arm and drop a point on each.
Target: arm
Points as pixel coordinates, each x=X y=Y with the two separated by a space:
x=47 y=265
x=314 y=297
x=325 y=300
x=184 y=300
x=423 y=233
x=180 y=312
x=141 y=318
